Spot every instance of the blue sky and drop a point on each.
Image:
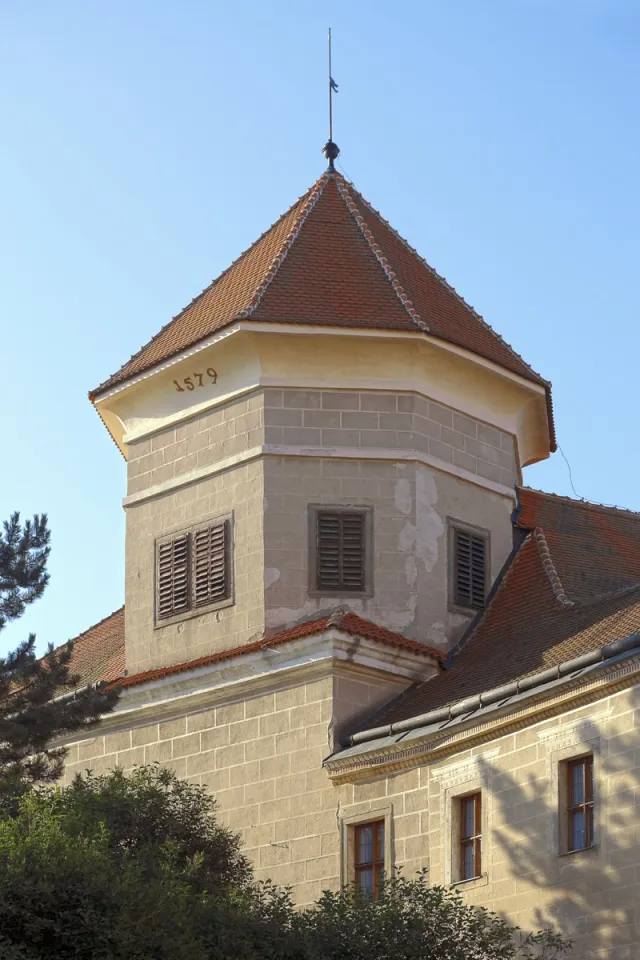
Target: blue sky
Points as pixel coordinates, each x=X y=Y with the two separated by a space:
x=144 y=145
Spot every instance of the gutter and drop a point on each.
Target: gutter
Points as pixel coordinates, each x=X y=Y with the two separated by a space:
x=96 y=685
x=496 y=694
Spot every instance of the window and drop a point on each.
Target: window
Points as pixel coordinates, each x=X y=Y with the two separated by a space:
x=579 y=803
x=193 y=570
x=470 y=836
x=369 y=858
x=469 y=565
x=340 y=550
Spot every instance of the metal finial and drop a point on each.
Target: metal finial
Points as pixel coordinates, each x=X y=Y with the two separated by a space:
x=331 y=149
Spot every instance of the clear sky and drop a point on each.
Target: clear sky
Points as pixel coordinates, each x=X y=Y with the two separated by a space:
x=145 y=144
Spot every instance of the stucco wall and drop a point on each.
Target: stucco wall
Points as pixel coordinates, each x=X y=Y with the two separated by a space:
x=269 y=498
x=411 y=503
x=238 y=491
x=263 y=760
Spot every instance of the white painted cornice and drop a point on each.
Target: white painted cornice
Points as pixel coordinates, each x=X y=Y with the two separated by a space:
x=263 y=671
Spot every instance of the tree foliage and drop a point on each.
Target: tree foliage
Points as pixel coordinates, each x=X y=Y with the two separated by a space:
x=33 y=710
x=137 y=867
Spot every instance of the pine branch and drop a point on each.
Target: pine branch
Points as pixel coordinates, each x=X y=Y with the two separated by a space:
x=24 y=551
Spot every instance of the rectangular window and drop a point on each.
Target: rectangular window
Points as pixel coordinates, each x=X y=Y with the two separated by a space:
x=340 y=551
x=470 y=836
x=193 y=570
x=579 y=804
x=369 y=858
x=469 y=566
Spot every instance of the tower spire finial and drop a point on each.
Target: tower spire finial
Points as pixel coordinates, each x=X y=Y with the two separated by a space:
x=331 y=149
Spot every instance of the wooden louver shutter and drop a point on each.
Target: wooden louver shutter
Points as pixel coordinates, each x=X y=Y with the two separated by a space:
x=173 y=576
x=470 y=574
x=211 y=580
x=340 y=551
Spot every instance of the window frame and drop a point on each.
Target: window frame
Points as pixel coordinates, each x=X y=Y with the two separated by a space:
x=455 y=526
x=348 y=826
x=586 y=806
x=473 y=840
x=314 y=509
x=377 y=862
x=192 y=610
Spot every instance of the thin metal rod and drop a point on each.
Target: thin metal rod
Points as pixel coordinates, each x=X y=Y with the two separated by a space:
x=330 y=92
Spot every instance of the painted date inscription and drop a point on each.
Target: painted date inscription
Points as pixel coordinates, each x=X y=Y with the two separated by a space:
x=197 y=380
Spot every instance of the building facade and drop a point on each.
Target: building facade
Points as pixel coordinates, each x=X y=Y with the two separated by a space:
x=345 y=615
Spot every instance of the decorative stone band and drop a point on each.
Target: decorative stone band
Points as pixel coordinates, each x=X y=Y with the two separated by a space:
x=284 y=249
x=377 y=252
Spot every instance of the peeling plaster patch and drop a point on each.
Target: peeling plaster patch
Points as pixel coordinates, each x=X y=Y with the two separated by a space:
x=421 y=538
x=410 y=570
x=271 y=575
x=401 y=619
x=402 y=496
x=285 y=616
x=437 y=634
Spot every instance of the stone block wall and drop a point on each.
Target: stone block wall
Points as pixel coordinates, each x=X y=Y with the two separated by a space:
x=262 y=758
x=402 y=421
x=200 y=442
x=238 y=491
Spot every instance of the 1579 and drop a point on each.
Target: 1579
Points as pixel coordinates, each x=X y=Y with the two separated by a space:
x=189 y=383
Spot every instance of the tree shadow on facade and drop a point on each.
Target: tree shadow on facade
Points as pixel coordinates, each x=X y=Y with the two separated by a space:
x=593 y=895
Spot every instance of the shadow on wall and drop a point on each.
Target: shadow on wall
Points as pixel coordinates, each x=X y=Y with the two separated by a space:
x=591 y=896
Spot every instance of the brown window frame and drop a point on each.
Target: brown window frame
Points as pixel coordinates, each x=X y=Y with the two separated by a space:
x=377 y=862
x=585 y=807
x=458 y=602
x=317 y=589
x=473 y=840
x=192 y=607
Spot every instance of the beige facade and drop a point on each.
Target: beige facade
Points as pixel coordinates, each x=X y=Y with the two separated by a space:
x=262 y=756
x=416 y=463
x=232 y=413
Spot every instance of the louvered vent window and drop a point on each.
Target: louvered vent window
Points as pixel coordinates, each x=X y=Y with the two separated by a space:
x=342 y=551
x=194 y=570
x=469 y=568
x=173 y=576
x=210 y=565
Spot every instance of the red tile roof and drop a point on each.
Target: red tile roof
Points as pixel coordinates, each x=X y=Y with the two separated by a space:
x=330 y=260
x=573 y=586
x=99 y=652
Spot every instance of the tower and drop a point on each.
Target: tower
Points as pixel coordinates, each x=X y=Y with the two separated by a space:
x=328 y=426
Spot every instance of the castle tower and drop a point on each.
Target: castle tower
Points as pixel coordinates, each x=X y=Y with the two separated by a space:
x=328 y=426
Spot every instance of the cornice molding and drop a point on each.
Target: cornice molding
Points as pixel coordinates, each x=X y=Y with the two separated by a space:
x=434 y=746
x=308 y=659
x=300 y=329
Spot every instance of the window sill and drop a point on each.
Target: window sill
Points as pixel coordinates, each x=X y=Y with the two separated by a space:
x=593 y=849
x=190 y=614
x=472 y=882
x=465 y=611
x=341 y=594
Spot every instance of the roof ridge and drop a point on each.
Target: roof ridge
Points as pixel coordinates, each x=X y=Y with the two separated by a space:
x=591 y=505
x=445 y=283
x=550 y=569
x=214 y=282
x=377 y=252
x=313 y=195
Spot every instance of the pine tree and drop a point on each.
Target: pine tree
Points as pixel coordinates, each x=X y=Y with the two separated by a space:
x=37 y=699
